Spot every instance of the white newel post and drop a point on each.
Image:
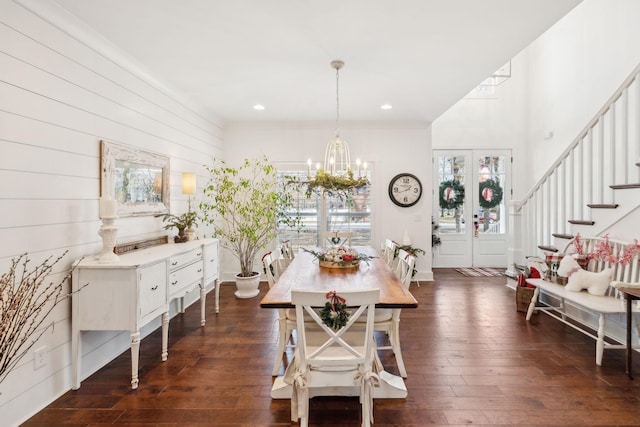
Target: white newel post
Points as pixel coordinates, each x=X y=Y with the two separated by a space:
x=515 y=239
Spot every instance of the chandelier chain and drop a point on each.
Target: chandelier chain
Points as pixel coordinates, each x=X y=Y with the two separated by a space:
x=337 y=101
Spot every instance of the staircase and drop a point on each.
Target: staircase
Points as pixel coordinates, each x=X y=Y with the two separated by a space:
x=594 y=186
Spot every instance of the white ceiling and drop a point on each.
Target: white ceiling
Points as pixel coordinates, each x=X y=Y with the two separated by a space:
x=421 y=56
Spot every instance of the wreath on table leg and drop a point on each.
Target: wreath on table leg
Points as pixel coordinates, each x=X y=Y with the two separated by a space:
x=490 y=193
x=451 y=194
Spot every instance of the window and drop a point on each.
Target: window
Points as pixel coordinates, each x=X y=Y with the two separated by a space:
x=352 y=213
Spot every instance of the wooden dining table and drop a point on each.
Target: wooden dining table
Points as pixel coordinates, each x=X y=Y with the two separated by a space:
x=304 y=272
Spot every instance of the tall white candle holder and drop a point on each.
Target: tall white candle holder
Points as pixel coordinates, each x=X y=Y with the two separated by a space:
x=108 y=232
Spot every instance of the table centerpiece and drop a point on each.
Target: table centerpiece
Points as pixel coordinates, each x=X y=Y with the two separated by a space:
x=339 y=257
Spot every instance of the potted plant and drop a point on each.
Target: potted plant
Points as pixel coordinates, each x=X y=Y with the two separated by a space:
x=245 y=208
x=183 y=222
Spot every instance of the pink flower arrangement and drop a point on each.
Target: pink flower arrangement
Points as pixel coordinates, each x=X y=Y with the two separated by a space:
x=577 y=245
x=629 y=252
x=603 y=252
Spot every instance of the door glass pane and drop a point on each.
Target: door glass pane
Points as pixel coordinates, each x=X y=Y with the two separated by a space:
x=491 y=215
x=451 y=181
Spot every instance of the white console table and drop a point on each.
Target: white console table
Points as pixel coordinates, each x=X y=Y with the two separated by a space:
x=127 y=294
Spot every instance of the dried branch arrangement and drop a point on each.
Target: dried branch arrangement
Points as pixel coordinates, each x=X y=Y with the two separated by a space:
x=25 y=303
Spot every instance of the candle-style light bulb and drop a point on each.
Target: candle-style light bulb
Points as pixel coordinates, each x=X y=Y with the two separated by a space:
x=309 y=168
x=358 y=162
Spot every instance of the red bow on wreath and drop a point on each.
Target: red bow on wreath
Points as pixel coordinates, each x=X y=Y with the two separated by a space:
x=487 y=193
x=334 y=299
x=448 y=196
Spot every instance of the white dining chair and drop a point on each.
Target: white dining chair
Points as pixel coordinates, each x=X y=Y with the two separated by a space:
x=286 y=316
x=405 y=266
x=389 y=252
x=328 y=361
x=287 y=250
x=337 y=238
x=387 y=320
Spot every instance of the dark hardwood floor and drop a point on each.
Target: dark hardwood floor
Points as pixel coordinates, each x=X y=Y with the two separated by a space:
x=471 y=359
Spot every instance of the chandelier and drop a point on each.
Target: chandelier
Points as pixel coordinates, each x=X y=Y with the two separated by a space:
x=337 y=177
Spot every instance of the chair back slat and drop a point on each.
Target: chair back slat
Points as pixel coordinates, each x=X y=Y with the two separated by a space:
x=319 y=345
x=270 y=268
x=337 y=238
x=404 y=269
x=390 y=252
x=287 y=250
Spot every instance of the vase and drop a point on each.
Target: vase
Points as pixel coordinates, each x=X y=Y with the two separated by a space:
x=247 y=286
x=190 y=234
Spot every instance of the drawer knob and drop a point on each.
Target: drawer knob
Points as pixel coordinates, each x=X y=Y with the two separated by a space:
x=199 y=270
x=174 y=263
x=174 y=283
x=154 y=288
x=199 y=254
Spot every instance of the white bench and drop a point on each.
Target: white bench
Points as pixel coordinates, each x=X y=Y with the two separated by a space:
x=583 y=311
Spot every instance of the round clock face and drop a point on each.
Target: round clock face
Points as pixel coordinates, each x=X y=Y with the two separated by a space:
x=405 y=190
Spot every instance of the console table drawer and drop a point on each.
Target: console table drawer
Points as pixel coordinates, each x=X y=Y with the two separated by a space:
x=183 y=277
x=211 y=262
x=153 y=288
x=182 y=260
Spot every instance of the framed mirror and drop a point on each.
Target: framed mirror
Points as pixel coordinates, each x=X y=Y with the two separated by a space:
x=138 y=180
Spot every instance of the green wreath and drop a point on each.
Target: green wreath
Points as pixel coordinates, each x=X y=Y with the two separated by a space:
x=490 y=193
x=451 y=194
x=334 y=316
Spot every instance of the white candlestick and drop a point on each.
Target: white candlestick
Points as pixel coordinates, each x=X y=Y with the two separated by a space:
x=309 y=168
x=108 y=208
x=108 y=232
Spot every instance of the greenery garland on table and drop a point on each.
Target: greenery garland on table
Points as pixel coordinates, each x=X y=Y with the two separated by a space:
x=449 y=200
x=494 y=193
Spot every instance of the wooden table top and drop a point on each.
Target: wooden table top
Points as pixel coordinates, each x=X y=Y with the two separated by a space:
x=631 y=293
x=305 y=273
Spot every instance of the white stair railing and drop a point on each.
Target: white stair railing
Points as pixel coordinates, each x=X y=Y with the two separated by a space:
x=604 y=154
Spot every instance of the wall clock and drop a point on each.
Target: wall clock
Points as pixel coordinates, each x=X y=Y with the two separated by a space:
x=405 y=190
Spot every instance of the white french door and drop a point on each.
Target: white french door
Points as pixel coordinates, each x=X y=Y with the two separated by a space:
x=471 y=195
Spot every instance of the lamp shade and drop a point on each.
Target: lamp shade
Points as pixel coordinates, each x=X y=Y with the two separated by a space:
x=188 y=183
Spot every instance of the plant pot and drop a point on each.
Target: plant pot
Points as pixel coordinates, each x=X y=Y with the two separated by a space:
x=190 y=233
x=247 y=286
x=181 y=237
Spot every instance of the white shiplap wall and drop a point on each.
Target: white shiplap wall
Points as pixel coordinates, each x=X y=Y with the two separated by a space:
x=60 y=94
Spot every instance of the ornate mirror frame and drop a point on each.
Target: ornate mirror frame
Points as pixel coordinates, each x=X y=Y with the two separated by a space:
x=118 y=161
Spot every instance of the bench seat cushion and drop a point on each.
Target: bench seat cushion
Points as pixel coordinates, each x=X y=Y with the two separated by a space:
x=599 y=304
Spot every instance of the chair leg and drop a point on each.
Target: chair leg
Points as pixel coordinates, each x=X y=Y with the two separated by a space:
x=394 y=337
x=282 y=344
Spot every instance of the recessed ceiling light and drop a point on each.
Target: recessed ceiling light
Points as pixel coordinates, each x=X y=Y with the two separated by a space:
x=386 y=106
x=258 y=107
